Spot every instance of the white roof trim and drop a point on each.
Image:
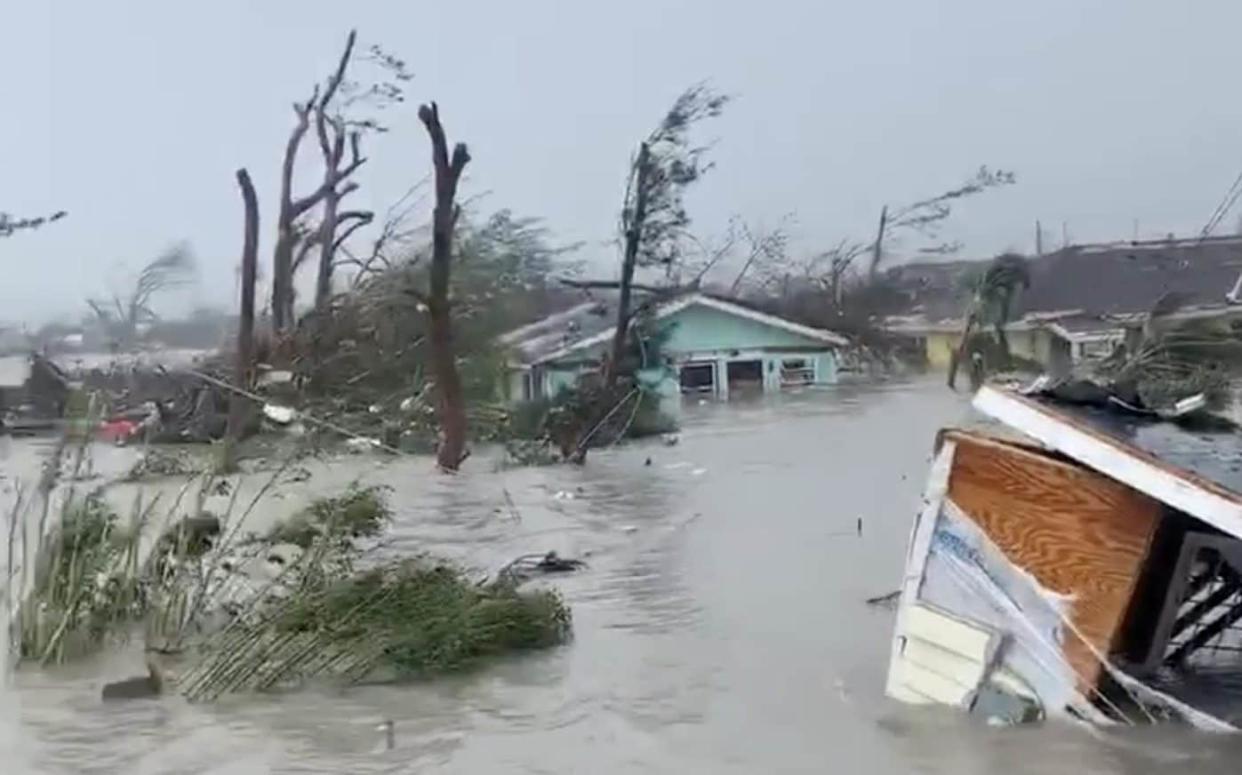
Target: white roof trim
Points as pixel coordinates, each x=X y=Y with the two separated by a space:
x=518 y=334
x=1127 y=465
x=672 y=308
x=1104 y=333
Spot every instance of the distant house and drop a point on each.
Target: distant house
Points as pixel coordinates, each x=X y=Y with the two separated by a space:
x=713 y=346
x=1082 y=300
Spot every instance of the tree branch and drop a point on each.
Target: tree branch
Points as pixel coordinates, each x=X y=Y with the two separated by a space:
x=334 y=82
x=359 y=219
x=304 y=248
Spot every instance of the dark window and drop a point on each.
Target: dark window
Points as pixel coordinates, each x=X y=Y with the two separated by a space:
x=745 y=373
x=698 y=378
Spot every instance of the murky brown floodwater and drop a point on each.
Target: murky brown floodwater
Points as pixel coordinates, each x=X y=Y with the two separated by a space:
x=720 y=627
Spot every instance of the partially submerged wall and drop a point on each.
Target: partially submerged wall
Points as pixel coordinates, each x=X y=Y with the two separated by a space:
x=1078 y=533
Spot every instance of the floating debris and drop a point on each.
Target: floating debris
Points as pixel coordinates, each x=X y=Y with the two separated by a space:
x=1057 y=575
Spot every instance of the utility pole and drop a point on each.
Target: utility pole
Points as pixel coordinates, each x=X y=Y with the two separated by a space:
x=1039 y=238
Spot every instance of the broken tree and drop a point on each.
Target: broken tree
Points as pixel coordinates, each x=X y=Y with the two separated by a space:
x=653 y=230
x=653 y=216
x=452 y=403
x=336 y=132
x=245 y=325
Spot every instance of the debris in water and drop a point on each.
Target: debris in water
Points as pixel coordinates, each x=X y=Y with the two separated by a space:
x=281 y=415
x=390 y=734
x=358 y=444
x=529 y=565
x=1038 y=567
x=142 y=687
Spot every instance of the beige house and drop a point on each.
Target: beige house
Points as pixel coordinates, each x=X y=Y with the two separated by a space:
x=1082 y=301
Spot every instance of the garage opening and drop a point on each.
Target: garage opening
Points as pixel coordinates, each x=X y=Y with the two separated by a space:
x=698 y=377
x=745 y=376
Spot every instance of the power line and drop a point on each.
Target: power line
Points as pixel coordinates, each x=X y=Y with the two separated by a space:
x=1222 y=209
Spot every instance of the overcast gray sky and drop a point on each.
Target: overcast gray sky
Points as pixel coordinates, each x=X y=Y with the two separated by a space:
x=134 y=115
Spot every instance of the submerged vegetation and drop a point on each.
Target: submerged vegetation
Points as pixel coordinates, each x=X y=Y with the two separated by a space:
x=318 y=595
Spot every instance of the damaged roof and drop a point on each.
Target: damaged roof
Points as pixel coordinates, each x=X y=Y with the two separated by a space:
x=592 y=322
x=1198 y=471
x=1113 y=278
x=534 y=342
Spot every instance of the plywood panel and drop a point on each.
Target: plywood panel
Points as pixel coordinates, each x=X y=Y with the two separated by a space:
x=1077 y=532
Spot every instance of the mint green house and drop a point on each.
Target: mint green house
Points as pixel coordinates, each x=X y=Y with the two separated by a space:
x=714 y=347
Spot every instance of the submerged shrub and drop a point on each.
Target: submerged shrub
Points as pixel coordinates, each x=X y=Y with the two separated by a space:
x=399 y=618
x=362 y=512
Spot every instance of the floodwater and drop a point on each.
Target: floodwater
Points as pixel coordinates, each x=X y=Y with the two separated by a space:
x=720 y=627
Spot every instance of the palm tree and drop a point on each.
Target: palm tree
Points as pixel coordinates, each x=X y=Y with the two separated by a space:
x=993 y=294
x=120 y=317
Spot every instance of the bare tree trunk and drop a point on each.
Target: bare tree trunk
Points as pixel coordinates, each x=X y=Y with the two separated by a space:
x=960 y=353
x=327 y=251
x=286 y=234
x=877 y=251
x=291 y=209
x=245 y=324
x=452 y=407
x=633 y=241
x=1002 y=341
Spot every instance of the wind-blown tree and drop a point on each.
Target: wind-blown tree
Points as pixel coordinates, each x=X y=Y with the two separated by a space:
x=502 y=278
x=828 y=288
x=122 y=315
x=926 y=216
x=10 y=225
x=994 y=292
x=653 y=214
x=654 y=235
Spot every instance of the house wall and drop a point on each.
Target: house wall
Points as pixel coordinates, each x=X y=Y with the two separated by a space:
x=940 y=347
x=1078 y=533
x=701 y=334
x=1035 y=345
x=703 y=328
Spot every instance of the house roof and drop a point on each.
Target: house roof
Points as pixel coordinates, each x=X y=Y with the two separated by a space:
x=1198 y=472
x=1125 y=278
x=532 y=343
x=592 y=323
x=1085 y=328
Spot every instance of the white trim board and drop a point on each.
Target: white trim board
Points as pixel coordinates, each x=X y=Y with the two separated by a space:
x=672 y=308
x=1130 y=466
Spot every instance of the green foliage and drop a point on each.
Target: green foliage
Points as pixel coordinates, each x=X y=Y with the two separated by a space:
x=672 y=164
x=427 y=618
x=85 y=584
x=397 y=618
x=362 y=512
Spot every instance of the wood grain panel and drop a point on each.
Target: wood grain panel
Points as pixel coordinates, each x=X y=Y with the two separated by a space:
x=1076 y=531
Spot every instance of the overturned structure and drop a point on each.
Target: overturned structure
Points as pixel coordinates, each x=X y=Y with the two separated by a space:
x=1088 y=565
